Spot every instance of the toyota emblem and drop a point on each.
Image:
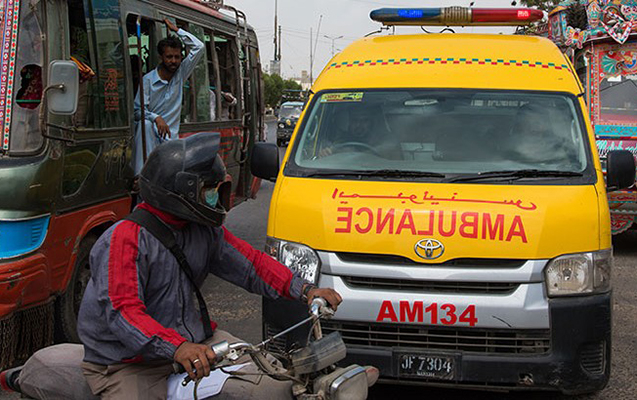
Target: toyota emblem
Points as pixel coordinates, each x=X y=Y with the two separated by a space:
x=429 y=249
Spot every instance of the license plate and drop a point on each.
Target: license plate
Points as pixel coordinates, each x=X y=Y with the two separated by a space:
x=441 y=367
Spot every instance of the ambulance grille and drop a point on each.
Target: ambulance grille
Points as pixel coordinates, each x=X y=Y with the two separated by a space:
x=430 y=286
x=485 y=341
x=387 y=259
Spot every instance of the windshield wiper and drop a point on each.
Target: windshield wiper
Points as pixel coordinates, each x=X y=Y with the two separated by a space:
x=389 y=173
x=516 y=174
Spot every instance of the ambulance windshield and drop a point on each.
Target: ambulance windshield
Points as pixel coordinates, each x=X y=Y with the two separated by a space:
x=440 y=132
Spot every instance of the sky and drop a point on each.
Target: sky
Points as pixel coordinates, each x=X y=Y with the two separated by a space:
x=347 y=18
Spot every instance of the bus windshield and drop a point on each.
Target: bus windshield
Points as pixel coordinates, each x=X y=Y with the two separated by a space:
x=441 y=132
x=27 y=84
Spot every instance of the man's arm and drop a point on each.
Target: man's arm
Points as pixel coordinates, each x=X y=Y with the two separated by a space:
x=236 y=261
x=149 y=115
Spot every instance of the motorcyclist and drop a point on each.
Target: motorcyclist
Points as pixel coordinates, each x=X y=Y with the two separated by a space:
x=137 y=315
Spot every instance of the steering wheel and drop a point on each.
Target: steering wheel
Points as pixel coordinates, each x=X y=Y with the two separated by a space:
x=363 y=146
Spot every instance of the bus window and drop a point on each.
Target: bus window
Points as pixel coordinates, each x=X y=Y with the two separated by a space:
x=200 y=81
x=107 y=93
x=228 y=70
x=25 y=134
x=81 y=55
x=147 y=58
x=213 y=76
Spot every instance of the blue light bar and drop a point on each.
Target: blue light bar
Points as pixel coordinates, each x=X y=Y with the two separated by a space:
x=411 y=13
x=399 y=16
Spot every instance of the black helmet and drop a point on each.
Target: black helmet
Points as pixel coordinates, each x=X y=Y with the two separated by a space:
x=187 y=178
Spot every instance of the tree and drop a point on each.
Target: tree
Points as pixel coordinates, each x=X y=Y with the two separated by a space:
x=544 y=5
x=274 y=86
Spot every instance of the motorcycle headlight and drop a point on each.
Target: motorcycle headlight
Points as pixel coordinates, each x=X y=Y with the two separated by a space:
x=297 y=257
x=582 y=273
x=352 y=384
x=281 y=126
x=348 y=383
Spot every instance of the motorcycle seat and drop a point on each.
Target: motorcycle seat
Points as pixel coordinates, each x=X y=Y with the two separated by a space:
x=55 y=372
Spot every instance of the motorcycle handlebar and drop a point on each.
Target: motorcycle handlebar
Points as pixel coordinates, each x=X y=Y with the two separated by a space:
x=319 y=308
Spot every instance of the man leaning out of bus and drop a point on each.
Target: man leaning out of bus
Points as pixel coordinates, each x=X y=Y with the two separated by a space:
x=163 y=91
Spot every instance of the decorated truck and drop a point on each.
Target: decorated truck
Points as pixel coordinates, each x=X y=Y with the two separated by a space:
x=600 y=38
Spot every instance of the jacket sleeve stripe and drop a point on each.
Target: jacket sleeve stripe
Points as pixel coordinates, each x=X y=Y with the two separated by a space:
x=268 y=269
x=123 y=284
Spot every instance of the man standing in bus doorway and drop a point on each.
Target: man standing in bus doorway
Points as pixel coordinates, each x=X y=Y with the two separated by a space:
x=163 y=92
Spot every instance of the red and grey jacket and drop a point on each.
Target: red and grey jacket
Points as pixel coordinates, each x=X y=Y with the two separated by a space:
x=139 y=305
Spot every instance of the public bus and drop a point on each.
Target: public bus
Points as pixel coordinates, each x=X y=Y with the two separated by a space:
x=64 y=179
x=600 y=38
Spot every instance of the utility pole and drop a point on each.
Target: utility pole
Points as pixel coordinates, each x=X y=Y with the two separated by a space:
x=313 y=52
x=279 y=56
x=311 y=60
x=276 y=24
x=333 y=39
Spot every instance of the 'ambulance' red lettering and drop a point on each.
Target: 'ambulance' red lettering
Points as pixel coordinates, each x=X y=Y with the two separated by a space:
x=406 y=222
x=347 y=219
x=445 y=223
x=517 y=229
x=370 y=220
x=469 y=225
x=388 y=219
x=493 y=229
x=441 y=224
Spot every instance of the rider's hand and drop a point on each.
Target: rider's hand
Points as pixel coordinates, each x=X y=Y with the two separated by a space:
x=329 y=294
x=170 y=25
x=193 y=356
x=162 y=127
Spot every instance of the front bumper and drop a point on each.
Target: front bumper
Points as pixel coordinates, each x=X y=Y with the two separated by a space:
x=578 y=359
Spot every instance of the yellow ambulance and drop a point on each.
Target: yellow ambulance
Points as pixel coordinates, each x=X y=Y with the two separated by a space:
x=448 y=187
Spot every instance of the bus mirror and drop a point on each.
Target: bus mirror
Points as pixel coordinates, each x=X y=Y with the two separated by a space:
x=620 y=170
x=265 y=161
x=62 y=89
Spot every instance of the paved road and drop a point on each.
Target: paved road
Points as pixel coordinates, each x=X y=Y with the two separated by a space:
x=239 y=312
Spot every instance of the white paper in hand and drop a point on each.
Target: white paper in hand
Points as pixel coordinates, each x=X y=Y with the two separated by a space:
x=209 y=386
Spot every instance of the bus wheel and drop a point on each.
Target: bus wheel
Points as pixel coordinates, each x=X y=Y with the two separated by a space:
x=67 y=306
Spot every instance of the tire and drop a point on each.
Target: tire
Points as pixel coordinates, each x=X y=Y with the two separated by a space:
x=67 y=305
x=279 y=143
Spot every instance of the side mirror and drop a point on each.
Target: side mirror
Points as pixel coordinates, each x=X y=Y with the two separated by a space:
x=620 y=170
x=265 y=161
x=63 y=84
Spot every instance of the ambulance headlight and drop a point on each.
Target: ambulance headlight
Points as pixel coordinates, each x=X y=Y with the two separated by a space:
x=576 y=274
x=297 y=257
